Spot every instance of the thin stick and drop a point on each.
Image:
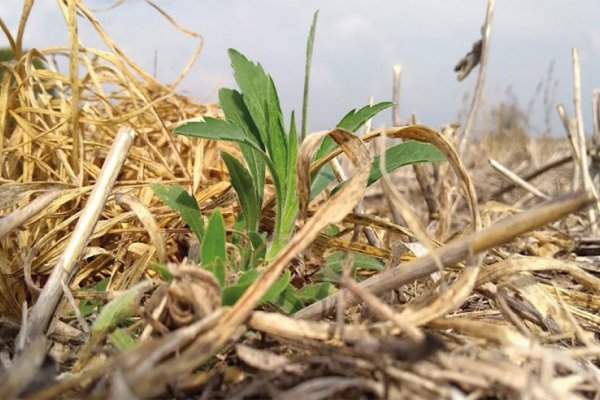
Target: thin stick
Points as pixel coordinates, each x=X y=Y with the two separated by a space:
x=596 y=117
x=518 y=180
x=396 y=121
x=585 y=169
x=596 y=149
x=70 y=15
x=532 y=175
x=397 y=71
x=485 y=43
x=383 y=310
x=341 y=176
x=495 y=235
x=71 y=300
x=67 y=264
x=560 y=109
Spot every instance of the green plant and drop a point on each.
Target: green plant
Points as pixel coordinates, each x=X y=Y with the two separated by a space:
x=253 y=119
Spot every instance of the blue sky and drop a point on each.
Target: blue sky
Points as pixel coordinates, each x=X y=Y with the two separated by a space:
x=357 y=43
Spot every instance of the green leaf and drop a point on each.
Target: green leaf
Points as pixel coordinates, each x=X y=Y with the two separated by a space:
x=288 y=301
x=213 y=248
x=278 y=141
x=361 y=261
x=334 y=264
x=308 y=294
x=406 y=153
x=253 y=81
x=277 y=287
x=290 y=203
x=261 y=99
x=259 y=248
x=232 y=293
x=332 y=230
x=124 y=306
x=216 y=129
x=121 y=339
x=321 y=180
x=355 y=119
x=87 y=307
x=244 y=187
x=236 y=112
x=217 y=268
x=352 y=122
x=309 y=52
x=185 y=204
x=162 y=270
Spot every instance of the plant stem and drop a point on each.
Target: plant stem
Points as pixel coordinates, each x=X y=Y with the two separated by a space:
x=481 y=77
x=309 y=51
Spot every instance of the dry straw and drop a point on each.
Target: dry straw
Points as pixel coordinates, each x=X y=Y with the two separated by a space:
x=510 y=311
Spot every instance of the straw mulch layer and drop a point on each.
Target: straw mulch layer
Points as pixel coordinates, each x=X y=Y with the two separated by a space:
x=506 y=307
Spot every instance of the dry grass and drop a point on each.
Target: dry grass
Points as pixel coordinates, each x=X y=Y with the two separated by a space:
x=501 y=309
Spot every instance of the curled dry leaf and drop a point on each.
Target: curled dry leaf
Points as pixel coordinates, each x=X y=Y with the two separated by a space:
x=193 y=294
x=424 y=134
x=146 y=218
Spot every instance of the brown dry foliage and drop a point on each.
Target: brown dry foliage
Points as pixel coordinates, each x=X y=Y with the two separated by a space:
x=517 y=319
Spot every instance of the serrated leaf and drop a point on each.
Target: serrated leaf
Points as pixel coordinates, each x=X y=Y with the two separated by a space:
x=216 y=129
x=355 y=119
x=178 y=199
x=352 y=122
x=253 y=83
x=244 y=187
x=278 y=140
x=236 y=112
x=261 y=99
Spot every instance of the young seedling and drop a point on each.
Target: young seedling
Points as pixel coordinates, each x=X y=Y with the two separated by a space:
x=253 y=119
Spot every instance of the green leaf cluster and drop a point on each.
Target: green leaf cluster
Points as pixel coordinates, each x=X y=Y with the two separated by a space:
x=254 y=120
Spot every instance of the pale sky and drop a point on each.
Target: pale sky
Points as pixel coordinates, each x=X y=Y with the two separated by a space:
x=357 y=43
